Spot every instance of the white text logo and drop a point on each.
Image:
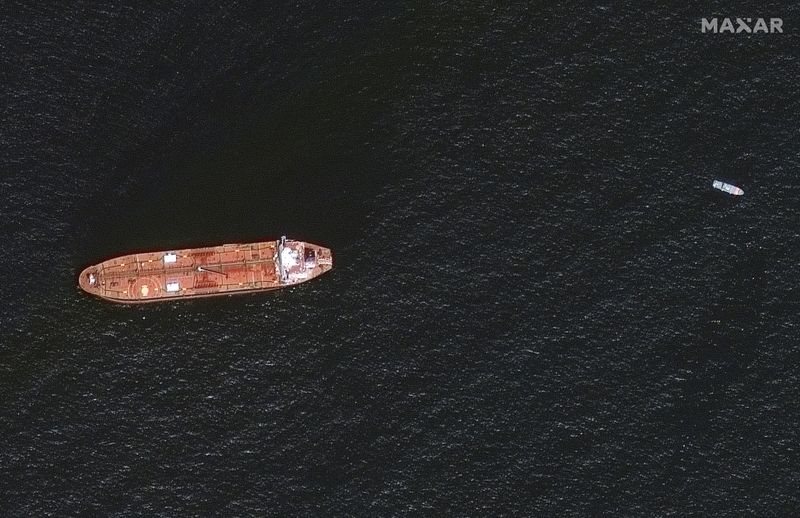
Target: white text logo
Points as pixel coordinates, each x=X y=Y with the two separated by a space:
x=741 y=25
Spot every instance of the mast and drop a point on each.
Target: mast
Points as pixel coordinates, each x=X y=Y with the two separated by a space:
x=204 y=269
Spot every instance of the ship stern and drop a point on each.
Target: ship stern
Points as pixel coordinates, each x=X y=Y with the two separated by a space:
x=316 y=260
x=299 y=261
x=322 y=260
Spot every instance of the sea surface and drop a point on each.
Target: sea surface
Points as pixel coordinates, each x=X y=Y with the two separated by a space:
x=538 y=307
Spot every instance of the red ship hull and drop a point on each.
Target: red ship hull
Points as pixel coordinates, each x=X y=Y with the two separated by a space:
x=206 y=272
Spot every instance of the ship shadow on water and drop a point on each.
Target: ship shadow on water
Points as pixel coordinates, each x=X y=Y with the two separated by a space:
x=271 y=182
x=300 y=163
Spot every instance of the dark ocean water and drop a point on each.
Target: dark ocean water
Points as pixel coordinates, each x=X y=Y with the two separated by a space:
x=539 y=308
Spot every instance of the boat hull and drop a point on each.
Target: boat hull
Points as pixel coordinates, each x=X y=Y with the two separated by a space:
x=206 y=272
x=726 y=187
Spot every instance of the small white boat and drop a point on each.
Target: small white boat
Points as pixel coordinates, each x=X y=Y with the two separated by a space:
x=726 y=187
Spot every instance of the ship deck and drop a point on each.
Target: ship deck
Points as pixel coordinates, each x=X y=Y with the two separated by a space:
x=200 y=272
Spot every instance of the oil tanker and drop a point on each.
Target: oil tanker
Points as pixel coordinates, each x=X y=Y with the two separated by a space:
x=206 y=272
